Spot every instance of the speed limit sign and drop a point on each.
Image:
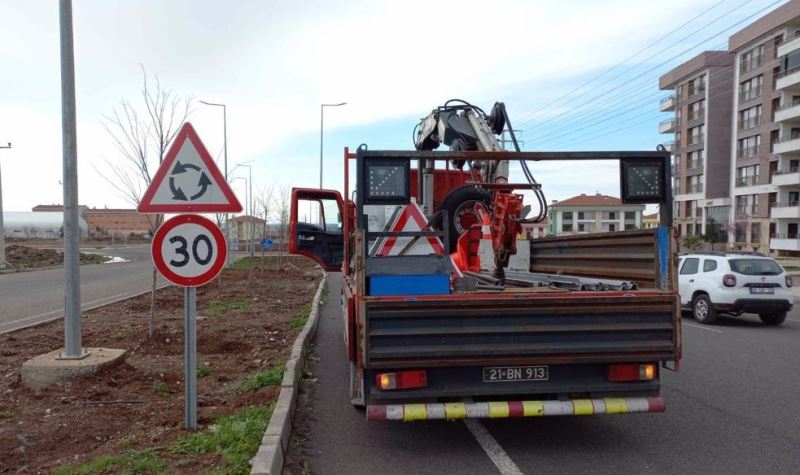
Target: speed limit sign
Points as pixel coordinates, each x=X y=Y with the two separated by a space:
x=189 y=250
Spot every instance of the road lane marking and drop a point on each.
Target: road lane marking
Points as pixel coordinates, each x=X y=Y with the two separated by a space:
x=498 y=456
x=793 y=319
x=703 y=328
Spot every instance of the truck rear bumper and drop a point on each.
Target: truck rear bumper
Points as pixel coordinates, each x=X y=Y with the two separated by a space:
x=502 y=409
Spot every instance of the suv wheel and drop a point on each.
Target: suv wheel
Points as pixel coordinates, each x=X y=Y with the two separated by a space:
x=702 y=309
x=774 y=319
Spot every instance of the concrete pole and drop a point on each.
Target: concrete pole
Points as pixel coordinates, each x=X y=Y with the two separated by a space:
x=2 y=228
x=225 y=154
x=72 y=291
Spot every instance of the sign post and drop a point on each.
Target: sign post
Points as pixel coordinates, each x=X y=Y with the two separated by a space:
x=189 y=250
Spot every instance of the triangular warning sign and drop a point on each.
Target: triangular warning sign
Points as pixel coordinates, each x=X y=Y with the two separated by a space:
x=188 y=180
x=410 y=218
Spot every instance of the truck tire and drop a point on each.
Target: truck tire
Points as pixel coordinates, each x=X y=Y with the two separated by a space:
x=772 y=319
x=460 y=213
x=703 y=310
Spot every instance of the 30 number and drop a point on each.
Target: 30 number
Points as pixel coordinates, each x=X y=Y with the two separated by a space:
x=182 y=250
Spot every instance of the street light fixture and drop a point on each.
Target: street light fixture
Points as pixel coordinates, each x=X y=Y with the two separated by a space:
x=321 y=127
x=2 y=228
x=225 y=154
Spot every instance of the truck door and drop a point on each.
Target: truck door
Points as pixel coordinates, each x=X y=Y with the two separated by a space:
x=315 y=228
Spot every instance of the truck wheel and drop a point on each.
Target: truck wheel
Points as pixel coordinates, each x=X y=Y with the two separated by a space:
x=773 y=319
x=702 y=309
x=356 y=386
x=459 y=205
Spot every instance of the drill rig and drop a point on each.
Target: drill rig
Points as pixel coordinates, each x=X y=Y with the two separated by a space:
x=488 y=195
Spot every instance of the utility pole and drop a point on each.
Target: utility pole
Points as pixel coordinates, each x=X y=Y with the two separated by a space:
x=321 y=128
x=2 y=228
x=72 y=291
x=225 y=154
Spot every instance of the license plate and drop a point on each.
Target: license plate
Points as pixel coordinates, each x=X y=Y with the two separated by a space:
x=762 y=290
x=508 y=374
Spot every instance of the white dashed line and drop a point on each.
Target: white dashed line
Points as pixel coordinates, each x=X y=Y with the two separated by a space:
x=703 y=328
x=499 y=457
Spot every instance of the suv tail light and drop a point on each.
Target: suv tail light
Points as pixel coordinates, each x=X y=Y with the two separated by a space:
x=729 y=280
x=402 y=379
x=631 y=372
x=789 y=281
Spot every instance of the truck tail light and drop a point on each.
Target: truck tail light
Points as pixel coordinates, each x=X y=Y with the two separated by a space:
x=631 y=372
x=402 y=379
x=729 y=280
x=789 y=281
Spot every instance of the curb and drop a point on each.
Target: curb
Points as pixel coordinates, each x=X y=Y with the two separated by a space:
x=270 y=456
x=84 y=309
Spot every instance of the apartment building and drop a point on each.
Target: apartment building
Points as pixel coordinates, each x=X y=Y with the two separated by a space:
x=702 y=104
x=592 y=214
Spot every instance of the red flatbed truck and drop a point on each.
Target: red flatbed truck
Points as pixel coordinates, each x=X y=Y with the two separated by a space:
x=420 y=348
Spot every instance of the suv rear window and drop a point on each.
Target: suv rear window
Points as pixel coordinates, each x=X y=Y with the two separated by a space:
x=755 y=267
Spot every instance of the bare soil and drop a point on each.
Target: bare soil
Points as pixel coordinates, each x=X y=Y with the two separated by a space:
x=243 y=327
x=28 y=257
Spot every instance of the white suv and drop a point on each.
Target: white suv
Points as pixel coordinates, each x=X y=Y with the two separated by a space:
x=712 y=283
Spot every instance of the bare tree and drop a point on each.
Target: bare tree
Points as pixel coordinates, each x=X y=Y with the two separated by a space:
x=282 y=203
x=263 y=210
x=141 y=134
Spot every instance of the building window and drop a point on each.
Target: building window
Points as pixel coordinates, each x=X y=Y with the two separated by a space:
x=697 y=110
x=750 y=118
x=612 y=227
x=694 y=184
x=751 y=88
x=695 y=160
x=751 y=59
x=696 y=134
x=747 y=176
x=755 y=232
x=746 y=205
x=748 y=146
x=628 y=227
x=630 y=215
x=567 y=215
x=697 y=85
x=566 y=227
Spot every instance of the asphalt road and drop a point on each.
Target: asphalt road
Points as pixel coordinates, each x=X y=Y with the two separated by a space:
x=36 y=296
x=733 y=408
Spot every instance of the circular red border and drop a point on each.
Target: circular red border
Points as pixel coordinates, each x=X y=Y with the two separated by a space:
x=163 y=268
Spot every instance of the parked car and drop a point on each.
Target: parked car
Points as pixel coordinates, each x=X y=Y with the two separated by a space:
x=714 y=283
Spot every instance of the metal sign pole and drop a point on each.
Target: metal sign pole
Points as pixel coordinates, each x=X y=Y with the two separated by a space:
x=190 y=356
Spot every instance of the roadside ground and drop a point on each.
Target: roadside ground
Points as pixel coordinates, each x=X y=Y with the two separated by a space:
x=130 y=419
x=22 y=257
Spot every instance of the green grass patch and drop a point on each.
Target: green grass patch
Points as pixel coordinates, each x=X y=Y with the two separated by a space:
x=6 y=415
x=203 y=370
x=216 y=308
x=129 y=462
x=299 y=320
x=161 y=388
x=263 y=379
x=234 y=438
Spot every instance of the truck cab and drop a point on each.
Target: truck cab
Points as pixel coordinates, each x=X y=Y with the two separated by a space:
x=585 y=327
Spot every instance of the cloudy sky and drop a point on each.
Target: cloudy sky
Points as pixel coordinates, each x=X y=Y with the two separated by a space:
x=577 y=75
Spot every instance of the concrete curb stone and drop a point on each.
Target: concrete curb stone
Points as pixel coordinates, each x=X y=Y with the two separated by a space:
x=271 y=453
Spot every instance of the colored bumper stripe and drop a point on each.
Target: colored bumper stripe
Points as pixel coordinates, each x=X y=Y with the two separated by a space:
x=503 y=409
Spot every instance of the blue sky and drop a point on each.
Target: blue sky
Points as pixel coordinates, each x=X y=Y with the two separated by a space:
x=274 y=62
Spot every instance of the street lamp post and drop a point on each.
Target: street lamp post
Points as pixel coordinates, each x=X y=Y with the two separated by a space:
x=225 y=154
x=2 y=228
x=321 y=127
x=246 y=205
x=249 y=203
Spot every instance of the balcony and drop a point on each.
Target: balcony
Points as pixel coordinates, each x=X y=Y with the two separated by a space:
x=788 y=79
x=746 y=180
x=788 y=47
x=787 y=145
x=784 y=243
x=785 y=210
x=790 y=177
x=667 y=104
x=670 y=146
x=667 y=126
x=745 y=211
x=788 y=112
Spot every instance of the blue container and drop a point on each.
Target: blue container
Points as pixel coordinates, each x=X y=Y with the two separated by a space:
x=435 y=284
